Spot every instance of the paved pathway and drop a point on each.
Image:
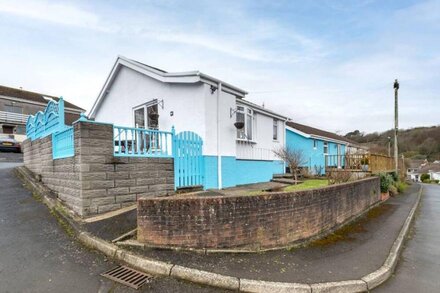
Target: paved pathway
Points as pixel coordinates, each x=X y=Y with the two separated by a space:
x=36 y=255
x=419 y=266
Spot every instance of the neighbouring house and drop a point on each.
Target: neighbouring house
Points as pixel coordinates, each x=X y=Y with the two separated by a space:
x=237 y=137
x=17 y=104
x=432 y=169
x=319 y=148
x=414 y=167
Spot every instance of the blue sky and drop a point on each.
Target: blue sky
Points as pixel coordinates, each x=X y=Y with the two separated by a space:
x=329 y=64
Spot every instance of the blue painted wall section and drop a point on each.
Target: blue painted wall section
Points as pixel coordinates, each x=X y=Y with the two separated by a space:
x=237 y=172
x=313 y=155
x=211 y=171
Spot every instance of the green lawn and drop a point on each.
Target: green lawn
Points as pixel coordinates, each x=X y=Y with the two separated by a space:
x=308 y=184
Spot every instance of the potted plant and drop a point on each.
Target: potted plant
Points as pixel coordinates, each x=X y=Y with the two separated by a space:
x=364 y=164
x=239 y=124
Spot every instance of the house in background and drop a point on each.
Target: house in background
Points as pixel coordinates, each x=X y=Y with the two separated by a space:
x=424 y=167
x=413 y=167
x=238 y=136
x=16 y=105
x=319 y=148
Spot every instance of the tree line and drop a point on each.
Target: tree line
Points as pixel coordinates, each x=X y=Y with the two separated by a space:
x=416 y=143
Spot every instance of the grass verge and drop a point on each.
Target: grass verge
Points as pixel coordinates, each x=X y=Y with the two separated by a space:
x=308 y=184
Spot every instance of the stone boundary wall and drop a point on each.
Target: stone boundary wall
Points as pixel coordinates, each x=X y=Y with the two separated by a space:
x=94 y=181
x=252 y=222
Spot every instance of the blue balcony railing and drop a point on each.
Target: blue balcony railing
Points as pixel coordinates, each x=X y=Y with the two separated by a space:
x=139 y=142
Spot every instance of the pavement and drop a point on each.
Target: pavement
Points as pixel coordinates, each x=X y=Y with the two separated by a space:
x=419 y=266
x=37 y=255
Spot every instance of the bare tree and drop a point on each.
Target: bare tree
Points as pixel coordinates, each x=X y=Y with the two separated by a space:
x=294 y=158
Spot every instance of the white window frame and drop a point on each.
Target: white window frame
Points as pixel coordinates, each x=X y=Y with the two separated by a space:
x=247 y=111
x=145 y=107
x=275 y=127
x=325 y=148
x=315 y=144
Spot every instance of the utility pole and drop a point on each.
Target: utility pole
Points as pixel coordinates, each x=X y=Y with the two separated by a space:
x=389 y=146
x=396 y=125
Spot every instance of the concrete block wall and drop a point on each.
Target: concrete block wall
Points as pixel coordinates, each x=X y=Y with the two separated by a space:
x=94 y=181
x=59 y=175
x=252 y=222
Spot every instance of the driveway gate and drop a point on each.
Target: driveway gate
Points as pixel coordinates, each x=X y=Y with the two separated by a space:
x=188 y=160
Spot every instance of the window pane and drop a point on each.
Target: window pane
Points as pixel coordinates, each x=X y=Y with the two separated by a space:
x=14 y=109
x=139 y=118
x=19 y=129
x=240 y=118
x=249 y=127
x=275 y=129
x=153 y=117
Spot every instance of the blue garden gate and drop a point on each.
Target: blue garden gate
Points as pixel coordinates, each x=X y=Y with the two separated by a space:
x=188 y=160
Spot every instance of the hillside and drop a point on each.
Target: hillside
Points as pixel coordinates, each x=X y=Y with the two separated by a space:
x=417 y=143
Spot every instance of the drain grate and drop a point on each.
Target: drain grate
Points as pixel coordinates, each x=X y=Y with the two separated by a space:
x=128 y=276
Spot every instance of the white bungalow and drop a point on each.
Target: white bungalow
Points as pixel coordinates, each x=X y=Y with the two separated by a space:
x=141 y=96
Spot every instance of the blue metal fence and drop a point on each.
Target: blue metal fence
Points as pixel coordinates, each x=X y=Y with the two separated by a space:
x=140 y=142
x=63 y=145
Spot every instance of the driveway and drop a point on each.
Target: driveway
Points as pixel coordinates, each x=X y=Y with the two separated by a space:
x=36 y=255
x=419 y=266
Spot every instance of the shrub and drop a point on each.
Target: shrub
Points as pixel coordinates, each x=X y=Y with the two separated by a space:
x=395 y=176
x=435 y=181
x=424 y=177
x=336 y=176
x=401 y=186
x=393 y=190
x=317 y=170
x=386 y=180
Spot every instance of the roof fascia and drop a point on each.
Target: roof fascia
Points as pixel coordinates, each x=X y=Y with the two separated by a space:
x=294 y=130
x=103 y=91
x=260 y=110
x=329 y=139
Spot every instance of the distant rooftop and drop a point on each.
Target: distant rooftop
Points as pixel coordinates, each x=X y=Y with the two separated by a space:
x=318 y=132
x=33 y=96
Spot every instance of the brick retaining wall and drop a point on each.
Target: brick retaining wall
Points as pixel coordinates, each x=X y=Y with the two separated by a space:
x=94 y=181
x=262 y=221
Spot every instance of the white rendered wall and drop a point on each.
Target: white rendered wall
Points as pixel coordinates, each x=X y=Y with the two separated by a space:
x=262 y=145
x=226 y=124
x=194 y=108
x=131 y=89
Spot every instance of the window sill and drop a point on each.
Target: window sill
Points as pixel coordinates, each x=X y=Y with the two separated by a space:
x=245 y=141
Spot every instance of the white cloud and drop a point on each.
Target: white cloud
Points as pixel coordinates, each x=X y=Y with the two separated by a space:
x=60 y=13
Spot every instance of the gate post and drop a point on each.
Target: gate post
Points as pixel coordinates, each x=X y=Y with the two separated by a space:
x=174 y=154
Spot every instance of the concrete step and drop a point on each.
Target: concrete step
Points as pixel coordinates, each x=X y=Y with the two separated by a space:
x=285 y=175
x=188 y=189
x=286 y=181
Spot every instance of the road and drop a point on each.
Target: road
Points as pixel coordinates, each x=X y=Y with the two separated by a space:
x=419 y=266
x=36 y=255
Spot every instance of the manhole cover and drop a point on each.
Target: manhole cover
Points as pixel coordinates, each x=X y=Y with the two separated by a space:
x=128 y=276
